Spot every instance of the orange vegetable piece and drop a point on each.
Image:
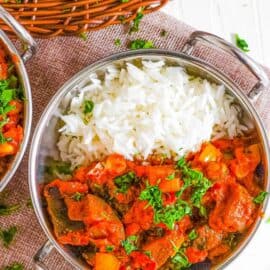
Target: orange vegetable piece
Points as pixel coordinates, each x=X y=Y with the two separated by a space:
x=7 y=149
x=75 y=238
x=158 y=173
x=140 y=214
x=18 y=106
x=163 y=248
x=80 y=174
x=67 y=187
x=209 y=153
x=195 y=255
x=106 y=261
x=170 y=185
x=115 y=164
x=75 y=208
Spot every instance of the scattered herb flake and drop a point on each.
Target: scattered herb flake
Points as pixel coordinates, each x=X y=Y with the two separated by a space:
x=124 y=1
x=261 y=197
x=124 y=182
x=83 y=36
x=180 y=260
x=77 y=196
x=171 y=176
x=14 y=266
x=109 y=248
x=141 y=44
x=117 y=42
x=129 y=244
x=88 y=106
x=192 y=235
x=6 y=210
x=136 y=21
x=241 y=43
x=8 y=235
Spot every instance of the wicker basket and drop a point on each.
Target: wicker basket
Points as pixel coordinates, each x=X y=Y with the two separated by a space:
x=50 y=18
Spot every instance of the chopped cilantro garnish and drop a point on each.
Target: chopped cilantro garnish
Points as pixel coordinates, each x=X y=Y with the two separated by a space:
x=164 y=214
x=8 y=235
x=241 y=43
x=194 y=179
x=180 y=260
x=261 y=197
x=136 y=21
x=171 y=176
x=124 y=181
x=77 y=196
x=6 y=210
x=141 y=44
x=148 y=253
x=152 y=194
x=88 y=106
x=124 y=1
x=129 y=244
x=14 y=266
x=83 y=36
x=109 y=248
x=117 y=42
x=172 y=213
x=193 y=235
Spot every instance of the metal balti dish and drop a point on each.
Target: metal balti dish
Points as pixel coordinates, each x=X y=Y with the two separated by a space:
x=30 y=46
x=44 y=140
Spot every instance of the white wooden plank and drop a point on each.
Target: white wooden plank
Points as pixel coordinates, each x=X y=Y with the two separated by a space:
x=263 y=9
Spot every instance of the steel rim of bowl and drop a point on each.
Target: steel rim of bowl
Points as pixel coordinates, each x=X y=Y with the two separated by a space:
x=24 y=81
x=55 y=100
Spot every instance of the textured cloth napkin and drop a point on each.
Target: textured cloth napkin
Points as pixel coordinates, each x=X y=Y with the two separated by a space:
x=59 y=59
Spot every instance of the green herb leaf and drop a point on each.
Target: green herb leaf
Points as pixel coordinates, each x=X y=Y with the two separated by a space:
x=194 y=179
x=152 y=194
x=109 y=248
x=261 y=197
x=88 y=106
x=241 y=43
x=77 y=196
x=180 y=260
x=129 y=244
x=136 y=21
x=6 y=210
x=83 y=36
x=125 y=181
x=193 y=235
x=117 y=42
x=8 y=235
x=14 y=266
x=124 y=1
x=172 y=213
x=171 y=176
x=141 y=44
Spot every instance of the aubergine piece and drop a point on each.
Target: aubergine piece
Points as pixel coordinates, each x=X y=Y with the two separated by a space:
x=57 y=210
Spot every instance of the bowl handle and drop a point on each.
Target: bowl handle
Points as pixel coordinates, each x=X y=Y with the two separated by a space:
x=27 y=40
x=216 y=41
x=42 y=253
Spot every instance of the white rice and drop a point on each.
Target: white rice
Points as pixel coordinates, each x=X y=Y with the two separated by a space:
x=155 y=108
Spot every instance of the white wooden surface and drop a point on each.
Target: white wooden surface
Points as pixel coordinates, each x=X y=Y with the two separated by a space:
x=251 y=20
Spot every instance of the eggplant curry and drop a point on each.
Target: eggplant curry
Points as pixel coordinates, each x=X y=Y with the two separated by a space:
x=159 y=213
x=11 y=111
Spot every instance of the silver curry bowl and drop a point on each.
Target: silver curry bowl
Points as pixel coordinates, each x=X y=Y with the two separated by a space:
x=30 y=48
x=44 y=139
